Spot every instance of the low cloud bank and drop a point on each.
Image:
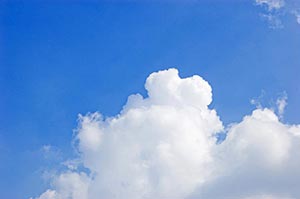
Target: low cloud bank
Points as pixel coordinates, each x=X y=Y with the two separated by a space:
x=164 y=146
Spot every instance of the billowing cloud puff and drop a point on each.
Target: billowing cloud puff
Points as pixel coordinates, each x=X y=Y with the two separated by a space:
x=165 y=146
x=258 y=159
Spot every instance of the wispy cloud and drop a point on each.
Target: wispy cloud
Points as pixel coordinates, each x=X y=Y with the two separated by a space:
x=271 y=4
x=276 y=9
x=281 y=104
x=273 y=20
x=297 y=15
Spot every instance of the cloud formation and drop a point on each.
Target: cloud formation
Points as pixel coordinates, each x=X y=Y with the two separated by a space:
x=165 y=146
x=271 y=4
x=281 y=104
x=276 y=9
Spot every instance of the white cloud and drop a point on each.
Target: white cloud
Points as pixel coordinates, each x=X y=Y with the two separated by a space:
x=267 y=197
x=271 y=4
x=273 y=20
x=298 y=18
x=51 y=153
x=297 y=15
x=281 y=104
x=258 y=159
x=164 y=146
x=68 y=185
x=49 y=194
x=277 y=9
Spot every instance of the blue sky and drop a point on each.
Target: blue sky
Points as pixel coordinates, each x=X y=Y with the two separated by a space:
x=60 y=59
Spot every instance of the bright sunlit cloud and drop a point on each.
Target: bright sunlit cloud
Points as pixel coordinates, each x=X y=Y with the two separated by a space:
x=165 y=146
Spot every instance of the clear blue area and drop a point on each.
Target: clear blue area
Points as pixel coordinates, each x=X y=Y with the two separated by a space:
x=59 y=59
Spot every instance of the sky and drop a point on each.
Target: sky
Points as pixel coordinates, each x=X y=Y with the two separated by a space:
x=68 y=67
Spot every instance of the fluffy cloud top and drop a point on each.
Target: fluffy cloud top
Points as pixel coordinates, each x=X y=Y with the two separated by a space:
x=165 y=146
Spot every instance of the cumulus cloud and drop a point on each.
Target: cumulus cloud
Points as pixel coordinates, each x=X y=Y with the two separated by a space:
x=258 y=159
x=165 y=146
